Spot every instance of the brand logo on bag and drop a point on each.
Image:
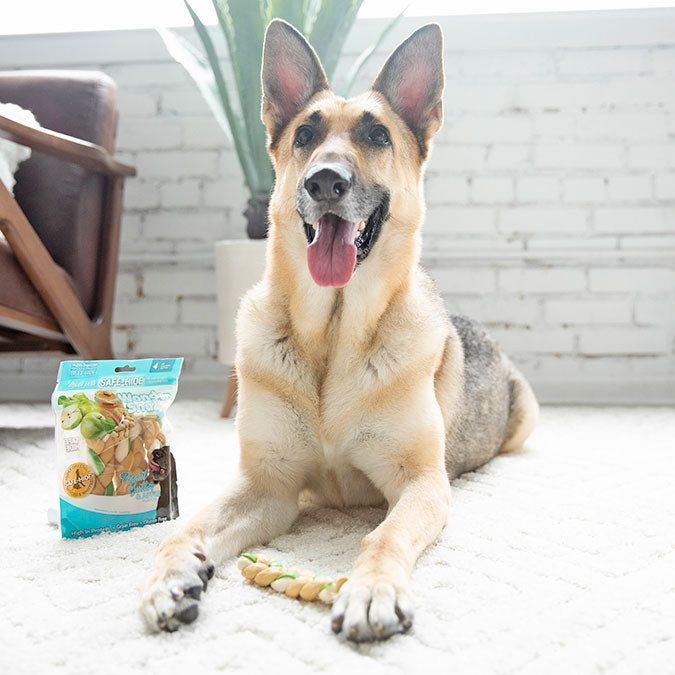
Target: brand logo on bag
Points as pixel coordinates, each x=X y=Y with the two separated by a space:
x=78 y=480
x=131 y=381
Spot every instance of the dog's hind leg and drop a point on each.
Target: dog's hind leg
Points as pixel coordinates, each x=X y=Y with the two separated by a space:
x=523 y=413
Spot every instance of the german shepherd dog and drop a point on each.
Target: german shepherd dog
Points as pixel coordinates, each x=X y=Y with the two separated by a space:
x=354 y=384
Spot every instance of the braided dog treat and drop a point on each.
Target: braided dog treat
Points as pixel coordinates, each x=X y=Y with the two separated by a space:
x=125 y=448
x=293 y=582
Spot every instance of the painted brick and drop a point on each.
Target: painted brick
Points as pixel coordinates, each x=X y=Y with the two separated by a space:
x=537 y=189
x=492 y=190
x=477 y=97
x=225 y=195
x=658 y=310
x=558 y=364
x=442 y=189
x=145 y=312
x=187 y=283
x=10 y=365
x=630 y=188
x=199 y=313
x=177 y=164
x=451 y=157
x=509 y=157
x=591 y=189
x=183 y=101
x=652 y=156
x=140 y=194
x=503 y=129
x=131 y=232
x=149 y=134
x=128 y=285
x=49 y=365
x=646 y=365
x=632 y=279
x=175 y=341
x=599 y=364
x=604 y=61
x=535 y=341
x=437 y=245
x=630 y=125
x=453 y=219
x=204 y=133
x=651 y=91
x=542 y=280
x=502 y=310
x=560 y=95
x=553 y=125
x=210 y=367
x=578 y=155
x=463 y=280
x=623 y=341
x=185 y=225
x=582 y=244
x=228 y=166
x=663 y=60
x=121 y=342
x=183 y=193
x=651 y=242
x=634 y=219
x=498 y=65
x=544 y=125
x=144 y=75
x=665 y=186
x=588 y=311
x=542 y=219
x=136 y=104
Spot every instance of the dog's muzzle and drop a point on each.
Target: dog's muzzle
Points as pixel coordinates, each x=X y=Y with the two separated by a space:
x=342 y=220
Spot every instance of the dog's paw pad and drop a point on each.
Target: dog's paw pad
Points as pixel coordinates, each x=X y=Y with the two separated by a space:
x=363 y=612
x=174 y=599
x=186 y=610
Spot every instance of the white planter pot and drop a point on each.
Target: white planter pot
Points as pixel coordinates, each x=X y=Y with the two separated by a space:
x=240 y=263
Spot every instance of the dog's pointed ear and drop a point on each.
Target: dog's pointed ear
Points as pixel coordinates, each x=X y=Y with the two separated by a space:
x=291 y=75
x=412 y=81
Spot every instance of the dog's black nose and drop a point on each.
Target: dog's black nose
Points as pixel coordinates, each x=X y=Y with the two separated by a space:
x=328 y=182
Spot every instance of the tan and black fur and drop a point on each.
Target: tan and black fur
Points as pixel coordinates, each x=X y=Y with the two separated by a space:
x=363 y=393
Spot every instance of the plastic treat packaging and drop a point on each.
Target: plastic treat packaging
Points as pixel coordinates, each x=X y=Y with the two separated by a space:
x=115 y=463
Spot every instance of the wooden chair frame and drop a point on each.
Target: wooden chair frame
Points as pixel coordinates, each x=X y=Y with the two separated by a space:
x=72 y=328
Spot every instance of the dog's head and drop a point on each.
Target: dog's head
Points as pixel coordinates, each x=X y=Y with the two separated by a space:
x=348 y=172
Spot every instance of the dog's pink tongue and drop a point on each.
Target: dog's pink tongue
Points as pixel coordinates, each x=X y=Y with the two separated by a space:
x=332 y=255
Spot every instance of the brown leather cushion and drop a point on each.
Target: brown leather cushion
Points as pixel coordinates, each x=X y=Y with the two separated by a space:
x=63 y=202
x=16 y=290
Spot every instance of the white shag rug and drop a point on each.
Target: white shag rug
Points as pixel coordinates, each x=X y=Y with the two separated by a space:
x=558 y=559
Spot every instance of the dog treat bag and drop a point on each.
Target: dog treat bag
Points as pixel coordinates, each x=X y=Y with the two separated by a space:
x=115 y=465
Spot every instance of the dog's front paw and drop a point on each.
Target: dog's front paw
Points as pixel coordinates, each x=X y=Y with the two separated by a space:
x=171 y=595
x=364 y=611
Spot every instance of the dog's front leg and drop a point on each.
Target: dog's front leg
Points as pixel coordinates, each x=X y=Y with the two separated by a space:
x=375 y=603
x=253 y=510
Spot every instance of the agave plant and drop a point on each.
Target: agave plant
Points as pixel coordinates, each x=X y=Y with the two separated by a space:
x=235 y=101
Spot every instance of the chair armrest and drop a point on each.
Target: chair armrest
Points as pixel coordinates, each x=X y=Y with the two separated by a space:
x=64 y=147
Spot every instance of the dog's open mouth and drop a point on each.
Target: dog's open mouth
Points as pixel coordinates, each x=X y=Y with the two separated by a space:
x=337 y=246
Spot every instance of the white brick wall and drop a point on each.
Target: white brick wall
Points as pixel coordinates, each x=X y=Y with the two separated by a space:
x=550 y=197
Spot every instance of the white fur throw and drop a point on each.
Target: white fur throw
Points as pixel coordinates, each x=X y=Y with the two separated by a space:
x=12 y=154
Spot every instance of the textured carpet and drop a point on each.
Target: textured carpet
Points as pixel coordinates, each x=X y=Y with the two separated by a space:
x=558 y=559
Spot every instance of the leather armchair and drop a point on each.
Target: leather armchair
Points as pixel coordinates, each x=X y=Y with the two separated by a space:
x=58 y=261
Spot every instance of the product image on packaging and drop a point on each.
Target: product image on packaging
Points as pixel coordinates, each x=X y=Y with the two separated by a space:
x=115 y=463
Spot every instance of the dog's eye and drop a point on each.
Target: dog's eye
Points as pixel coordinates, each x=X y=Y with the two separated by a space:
x=379 y=135
x=303 y=136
